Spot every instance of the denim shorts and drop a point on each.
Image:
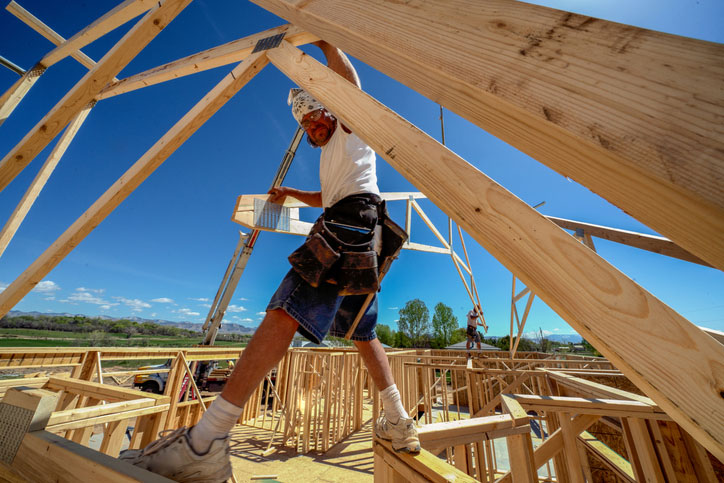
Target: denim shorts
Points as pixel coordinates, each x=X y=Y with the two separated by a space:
x=320 y=310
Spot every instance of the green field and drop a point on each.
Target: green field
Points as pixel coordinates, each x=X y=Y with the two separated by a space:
x=51 y=338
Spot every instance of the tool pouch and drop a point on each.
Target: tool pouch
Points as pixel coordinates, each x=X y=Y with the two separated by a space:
x=358 y=273
x=313 y=260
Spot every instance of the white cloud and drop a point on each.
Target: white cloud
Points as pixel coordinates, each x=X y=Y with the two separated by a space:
x=556 y=329
x=243 y=299
x=187 y=312
x=93 y=290
x=49 y=298
x=200 y=299
x=135 y=305
x=393 y=308
x=106 y=307
x=84 y=296
x=247 y=320
x=162 y=300
x=235 y=308
x=46 y=286
x=208 y=306
x=261 y=313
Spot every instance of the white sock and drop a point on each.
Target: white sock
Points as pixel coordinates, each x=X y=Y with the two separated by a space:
x=392 y=403
x=216 y=423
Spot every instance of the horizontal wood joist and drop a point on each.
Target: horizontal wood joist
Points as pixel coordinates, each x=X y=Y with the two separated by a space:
x=679 y=366
x=88 y=87
x=602 y=407
x=636 y=116
x=229 y=53
x=652 y=243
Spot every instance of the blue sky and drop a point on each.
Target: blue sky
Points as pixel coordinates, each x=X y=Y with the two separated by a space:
x=163 y=252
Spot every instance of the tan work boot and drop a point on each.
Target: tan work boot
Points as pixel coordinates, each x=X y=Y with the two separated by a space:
x=173 y=457
x=403 y=434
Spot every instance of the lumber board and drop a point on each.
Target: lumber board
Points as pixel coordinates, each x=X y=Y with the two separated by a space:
x=12 y=97
x=424 y=463
x=36 y=24
x=614 y=461
x=652 y=243
x=229 y=53
x=36 y=186
x=66 y=461
x=116 y=17
x=679 y=367
x=86 y=89
x=632 y=114
x=131 y=179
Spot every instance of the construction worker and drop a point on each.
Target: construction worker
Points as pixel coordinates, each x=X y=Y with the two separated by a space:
x=472 y=331
x=350 y=198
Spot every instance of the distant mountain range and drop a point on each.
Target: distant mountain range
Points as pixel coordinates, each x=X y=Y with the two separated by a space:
x=562 y=338
x=226 y=327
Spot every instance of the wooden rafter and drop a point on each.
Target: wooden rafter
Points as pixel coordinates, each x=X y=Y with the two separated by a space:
x=603 y=305
x=87 y=88
x=632 y=114
x=148 y=163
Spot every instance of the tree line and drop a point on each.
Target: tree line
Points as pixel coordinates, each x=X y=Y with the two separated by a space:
x=416 y=329
x=80 y=323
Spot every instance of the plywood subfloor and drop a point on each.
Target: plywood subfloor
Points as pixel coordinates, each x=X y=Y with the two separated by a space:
x=349 y=461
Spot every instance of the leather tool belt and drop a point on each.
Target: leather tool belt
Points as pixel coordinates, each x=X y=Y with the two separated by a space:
x=347 y=245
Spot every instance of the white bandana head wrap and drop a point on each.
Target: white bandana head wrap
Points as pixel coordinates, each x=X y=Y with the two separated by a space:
x=302 y=103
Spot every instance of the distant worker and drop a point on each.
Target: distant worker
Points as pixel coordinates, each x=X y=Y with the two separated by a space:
x=322 y=294
x=472 y=332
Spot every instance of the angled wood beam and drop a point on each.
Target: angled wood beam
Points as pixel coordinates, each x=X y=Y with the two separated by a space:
x=679 y=367
x=229 y=53
x=553 y=444
x=86 y=89
x=36 y=24
x=116 y=17
x=18 y=215
x=12 y=97
x=632 y=114
x=130 y=180
x=652 y=243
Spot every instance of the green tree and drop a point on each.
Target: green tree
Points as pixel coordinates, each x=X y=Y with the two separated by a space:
x=385 y=334
x=444 y=324
x=414 y=321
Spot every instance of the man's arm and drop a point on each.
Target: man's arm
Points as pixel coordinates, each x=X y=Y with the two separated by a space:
x=312 y=198
x=338 y=62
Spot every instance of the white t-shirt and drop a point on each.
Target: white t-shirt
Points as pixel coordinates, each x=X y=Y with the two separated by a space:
x=346 y=167
x=473 y=318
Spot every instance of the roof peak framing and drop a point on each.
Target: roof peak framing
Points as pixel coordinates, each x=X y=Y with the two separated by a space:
x=632 y=114
x=597 y=300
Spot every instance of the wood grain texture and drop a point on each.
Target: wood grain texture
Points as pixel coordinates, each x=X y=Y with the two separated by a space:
x=679 y=366
x=86 y=89
x=131 y=179
x=36 y=186
x=636 y=116
x=116 y=17
x=652 y=243
x=228 y=53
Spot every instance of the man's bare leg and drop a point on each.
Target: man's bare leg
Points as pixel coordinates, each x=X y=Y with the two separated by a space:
x=375 y=359
x=265 y=349
x=395 y=425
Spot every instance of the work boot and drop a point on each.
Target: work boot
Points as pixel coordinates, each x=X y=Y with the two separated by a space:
x=173 y=456
x=403 y=434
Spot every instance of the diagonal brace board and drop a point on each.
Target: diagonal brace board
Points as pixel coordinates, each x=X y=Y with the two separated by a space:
x=680 y=368
x=84 y=91
x=136 y=174
x=634 y=115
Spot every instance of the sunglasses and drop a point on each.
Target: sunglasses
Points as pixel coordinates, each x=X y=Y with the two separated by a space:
x=313 y=116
